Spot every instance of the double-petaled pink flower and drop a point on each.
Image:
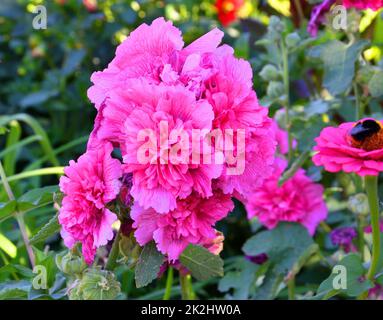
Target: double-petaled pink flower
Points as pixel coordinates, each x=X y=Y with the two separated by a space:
x=298 y=200
x=191 y=221
x=155 y=85
x=88 y=186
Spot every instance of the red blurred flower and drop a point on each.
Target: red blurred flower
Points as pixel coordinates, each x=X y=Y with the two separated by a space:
x=228 y=10
x=91 y=5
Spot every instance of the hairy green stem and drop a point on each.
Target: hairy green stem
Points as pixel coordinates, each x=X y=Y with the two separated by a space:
x=113 y=255
x=286 y=83
x=371 y=185
x=169 y=284
x=187 y=292
x=19 y=217
x=291 y=288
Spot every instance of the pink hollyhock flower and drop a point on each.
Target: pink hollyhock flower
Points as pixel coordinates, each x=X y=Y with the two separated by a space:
x=160 y=179
x=88 y=185
x=297 y=200
x=191 y=221
x=335 y=151
x=363 y=4
x=236 y=107
x=212 y=74
x=154 y=52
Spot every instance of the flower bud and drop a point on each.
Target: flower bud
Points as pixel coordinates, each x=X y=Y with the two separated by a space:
x=292 y=39
x=275 y=89
x=96 y=284
x=129 y=249
x=70 y=263
x=269 y=73
x=358 y=204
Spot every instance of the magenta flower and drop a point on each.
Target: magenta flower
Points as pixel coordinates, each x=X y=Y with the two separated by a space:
x=223 y=99
x=297 y=200
x=88 y=185
x=318 y=16
x=159 y=181
x=337 y=152
x=363 y=4
x=191 y=222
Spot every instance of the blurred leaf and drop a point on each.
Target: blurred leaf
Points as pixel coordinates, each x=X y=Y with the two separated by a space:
x=339 y=63
x=148 y=265
x=316 y=107
x=14 y=289
x=48 y=230
x=240 y=281
x=7 y=246
x=72 y=61
x=241 y=47
x=16 y=268
x=7 y=209
x=36 y=198
x=355 y=284
x=37 y=98
x=288 y=247
x=201 y=262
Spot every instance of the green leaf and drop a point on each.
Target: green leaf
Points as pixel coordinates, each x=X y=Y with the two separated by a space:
x=201 y=262
x=148 y=265
x=375 y=85
x=355 y=282
x=339 y=64
x=14 y=289
x=47 y=260
x=7 y=210
x=317 y=107
x=49 y=229
x=288 y=247
x=37 y=98
x=240 y=281
x=16 y=268
x=36 y=198
x=72 y=61
x=241 y=46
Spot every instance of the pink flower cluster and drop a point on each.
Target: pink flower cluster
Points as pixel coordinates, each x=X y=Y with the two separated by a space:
x=363 y=4
x=152 y=80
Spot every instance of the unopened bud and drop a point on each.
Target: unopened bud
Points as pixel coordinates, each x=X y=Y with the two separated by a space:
x=96 y=284
x=358 y=204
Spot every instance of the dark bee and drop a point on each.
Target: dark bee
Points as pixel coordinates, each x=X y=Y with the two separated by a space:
x=367 y=135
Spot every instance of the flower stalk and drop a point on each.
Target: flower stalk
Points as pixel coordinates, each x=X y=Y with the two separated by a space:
x=187 y=292
x=371 y=185
x=19 y=217
x=169 y=284
x=285 y=66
